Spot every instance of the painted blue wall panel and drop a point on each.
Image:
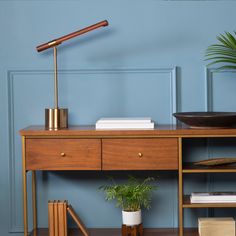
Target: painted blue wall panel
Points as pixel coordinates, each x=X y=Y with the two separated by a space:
x=118 y=95
x=125 y=69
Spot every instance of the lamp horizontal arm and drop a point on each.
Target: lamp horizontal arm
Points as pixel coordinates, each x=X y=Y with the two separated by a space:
x=58 y=41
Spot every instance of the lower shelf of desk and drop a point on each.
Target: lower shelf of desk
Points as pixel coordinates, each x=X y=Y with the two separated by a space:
x=117 y=232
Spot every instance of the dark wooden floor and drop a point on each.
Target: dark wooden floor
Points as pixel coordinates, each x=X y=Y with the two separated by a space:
x=117 y=232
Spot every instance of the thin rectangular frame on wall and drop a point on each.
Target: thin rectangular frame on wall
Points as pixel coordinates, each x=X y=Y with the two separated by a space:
x=209 y=72
x=11 y=75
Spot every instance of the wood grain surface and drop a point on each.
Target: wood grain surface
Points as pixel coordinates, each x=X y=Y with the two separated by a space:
x=63 y=154
x=140 y=154
x=159 y=130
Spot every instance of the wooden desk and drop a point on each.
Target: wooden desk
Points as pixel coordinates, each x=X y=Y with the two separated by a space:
x=84 y=148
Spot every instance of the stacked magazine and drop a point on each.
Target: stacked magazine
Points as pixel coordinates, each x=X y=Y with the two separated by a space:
x=125 y=123
x=213 y=197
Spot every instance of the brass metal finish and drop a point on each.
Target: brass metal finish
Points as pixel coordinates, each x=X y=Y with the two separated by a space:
x=180 y=189
x=56 y=118
x=52 y=43
x=140 y=154
x=63 y=154
x=34 y=203
x=24 y=178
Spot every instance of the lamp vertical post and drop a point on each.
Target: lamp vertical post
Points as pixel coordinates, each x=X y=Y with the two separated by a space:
x=55 y=78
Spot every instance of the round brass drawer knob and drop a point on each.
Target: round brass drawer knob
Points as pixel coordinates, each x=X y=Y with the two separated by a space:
x=63 y=154
x=140 y=154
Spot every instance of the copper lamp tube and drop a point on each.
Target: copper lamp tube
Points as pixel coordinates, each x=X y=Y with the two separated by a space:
x=58 y=41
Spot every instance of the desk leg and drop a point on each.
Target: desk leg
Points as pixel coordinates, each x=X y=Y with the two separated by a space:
x=24 y=178
x=34 y=201
x=180 y=190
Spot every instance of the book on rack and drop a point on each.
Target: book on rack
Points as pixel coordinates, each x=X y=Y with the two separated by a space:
x=57 y=218
x=125 y=123
x=56 y=223
x=51 y=218
x=216 y=226
x=213 y=197
x=62 y=221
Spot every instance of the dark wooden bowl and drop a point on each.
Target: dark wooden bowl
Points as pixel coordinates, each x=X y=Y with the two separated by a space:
x=207 y=119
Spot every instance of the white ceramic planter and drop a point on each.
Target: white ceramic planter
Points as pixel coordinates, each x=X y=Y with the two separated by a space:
x=131 y=217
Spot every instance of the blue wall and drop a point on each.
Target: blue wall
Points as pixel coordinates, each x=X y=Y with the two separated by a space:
x=148 y=62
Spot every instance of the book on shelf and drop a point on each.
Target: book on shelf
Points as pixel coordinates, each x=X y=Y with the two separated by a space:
x=125 y=123
x=213 y=197
x=124 y=120
x=216 y=226
x=125 y=126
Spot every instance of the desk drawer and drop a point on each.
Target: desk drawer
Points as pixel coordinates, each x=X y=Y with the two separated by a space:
x=140 y=154
x=63 y=154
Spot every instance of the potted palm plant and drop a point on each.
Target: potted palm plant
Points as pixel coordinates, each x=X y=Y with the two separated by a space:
x=224 y=52
x=131 y=197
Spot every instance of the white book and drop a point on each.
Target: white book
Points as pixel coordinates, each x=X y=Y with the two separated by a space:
x=125 y=126
x=126 y=120
x=213 y=197
x=212 y=201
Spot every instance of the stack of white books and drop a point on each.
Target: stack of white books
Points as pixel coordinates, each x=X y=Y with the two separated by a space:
x=213 y=197
x=125 y=123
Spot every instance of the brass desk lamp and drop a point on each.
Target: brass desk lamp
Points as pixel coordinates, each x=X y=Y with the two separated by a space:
x=57 y=118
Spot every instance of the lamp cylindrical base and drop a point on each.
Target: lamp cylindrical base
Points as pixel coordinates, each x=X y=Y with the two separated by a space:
x=56 y=118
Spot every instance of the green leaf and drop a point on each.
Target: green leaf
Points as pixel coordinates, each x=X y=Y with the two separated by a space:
x=218 y=59
x=132 y=195
x=223 y=53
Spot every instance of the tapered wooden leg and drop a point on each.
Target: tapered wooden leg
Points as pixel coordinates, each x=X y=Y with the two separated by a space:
x=140 y=229
x=34 y=200
x=24 y=180
x=124 y=230
x=180 y=184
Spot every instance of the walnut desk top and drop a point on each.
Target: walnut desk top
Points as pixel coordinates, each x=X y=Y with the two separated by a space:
x=160 y=130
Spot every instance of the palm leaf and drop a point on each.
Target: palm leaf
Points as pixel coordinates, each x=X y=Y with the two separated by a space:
x=231 y=39
x=225 y=41
x=225 y=52
x=228 y=67
x=221 y=52
x=223 y=59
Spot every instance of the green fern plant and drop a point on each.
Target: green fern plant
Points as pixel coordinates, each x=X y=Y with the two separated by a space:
x=223 y=53
x=130 y=196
